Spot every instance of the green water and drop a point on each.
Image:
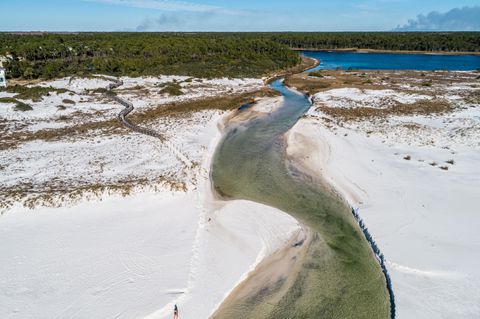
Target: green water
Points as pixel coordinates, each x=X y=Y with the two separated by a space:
x=340 y=277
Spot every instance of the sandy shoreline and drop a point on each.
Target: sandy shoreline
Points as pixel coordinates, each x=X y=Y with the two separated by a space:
x=310 y=155
x=421 y=216
x=278 y=270
x=349 y=168
x=264 y=287
x=280 y=265
x=272 y=265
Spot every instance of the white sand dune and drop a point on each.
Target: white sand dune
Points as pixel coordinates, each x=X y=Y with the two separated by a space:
x=424 y=219
x=133 y=256
x=119 y=257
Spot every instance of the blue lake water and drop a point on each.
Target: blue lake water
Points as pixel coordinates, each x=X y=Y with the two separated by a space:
x=394 y=61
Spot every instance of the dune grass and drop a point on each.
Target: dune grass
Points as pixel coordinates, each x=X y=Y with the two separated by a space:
x=19 y=105
x=113 y=126
x=34 y=93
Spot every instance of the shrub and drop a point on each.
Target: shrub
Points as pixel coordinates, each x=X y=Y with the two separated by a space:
x=317 y=74
x=19 y=105
x=22 y=107
x=427 y=83
x=8 y=100
x=171 y=88
x=99 y=90
x=68 y=101
x=34 y=93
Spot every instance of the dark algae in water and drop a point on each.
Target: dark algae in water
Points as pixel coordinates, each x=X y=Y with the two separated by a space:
x=339 y=276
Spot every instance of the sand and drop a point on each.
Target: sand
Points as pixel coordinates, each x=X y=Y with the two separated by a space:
x=423 y=218
x=134 y=254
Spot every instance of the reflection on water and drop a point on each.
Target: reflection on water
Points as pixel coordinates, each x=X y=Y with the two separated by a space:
x=339 y=277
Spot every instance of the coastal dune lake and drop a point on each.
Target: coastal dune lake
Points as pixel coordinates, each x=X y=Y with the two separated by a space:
x=393 y=61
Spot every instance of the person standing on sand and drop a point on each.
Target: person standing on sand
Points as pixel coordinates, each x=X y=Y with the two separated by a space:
x=175 y=312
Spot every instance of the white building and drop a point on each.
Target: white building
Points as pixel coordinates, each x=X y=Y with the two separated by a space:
x=3 y=79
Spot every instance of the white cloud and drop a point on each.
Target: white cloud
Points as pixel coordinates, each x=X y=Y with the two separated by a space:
x=171 y=5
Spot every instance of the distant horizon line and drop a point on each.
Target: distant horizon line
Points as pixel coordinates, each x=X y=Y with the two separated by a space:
x=76 y=32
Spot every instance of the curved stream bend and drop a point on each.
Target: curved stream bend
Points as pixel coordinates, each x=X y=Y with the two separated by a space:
x=339 y=277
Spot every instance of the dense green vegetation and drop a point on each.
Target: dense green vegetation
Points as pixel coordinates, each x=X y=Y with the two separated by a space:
x=32 y=56
x=404 y=41
x=208 y=55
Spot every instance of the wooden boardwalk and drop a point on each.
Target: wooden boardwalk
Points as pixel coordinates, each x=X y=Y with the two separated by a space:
x=122 y=117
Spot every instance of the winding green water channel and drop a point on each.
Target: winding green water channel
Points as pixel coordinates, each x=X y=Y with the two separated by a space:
x=339 y=277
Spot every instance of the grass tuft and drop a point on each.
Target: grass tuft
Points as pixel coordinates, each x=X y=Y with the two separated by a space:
x=427 y=83
x=317 y=74
x=425 y=107
x=22 y=107
x=34 y=93
x=19 y=105
x=171 y=88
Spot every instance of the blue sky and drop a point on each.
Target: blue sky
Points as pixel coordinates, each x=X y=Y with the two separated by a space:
x=215 y=15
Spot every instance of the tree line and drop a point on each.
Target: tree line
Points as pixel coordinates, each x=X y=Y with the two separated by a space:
x=50 y=55
x=395 y=41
